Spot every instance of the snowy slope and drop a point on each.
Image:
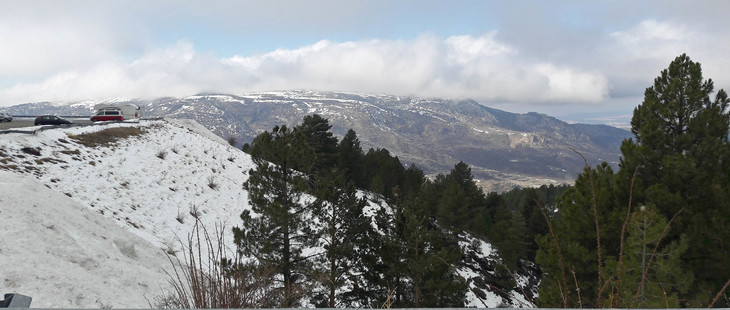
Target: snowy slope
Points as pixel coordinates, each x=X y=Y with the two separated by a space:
x=151 y=186
x=62 y=254
x=105 y=202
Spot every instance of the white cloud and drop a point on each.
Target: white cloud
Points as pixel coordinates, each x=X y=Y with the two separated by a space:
x=567 y=85
x=652 y=39
x=635 y=56
x=461 y=66
x=33 y=49
x=65 y=59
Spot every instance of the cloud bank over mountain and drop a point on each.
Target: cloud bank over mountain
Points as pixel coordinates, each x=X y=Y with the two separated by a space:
x=550 y=57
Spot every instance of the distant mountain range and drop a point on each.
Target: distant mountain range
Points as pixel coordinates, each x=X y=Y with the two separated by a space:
x=503 y=149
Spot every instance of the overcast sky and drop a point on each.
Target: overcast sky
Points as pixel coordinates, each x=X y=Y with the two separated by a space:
x=562 y=58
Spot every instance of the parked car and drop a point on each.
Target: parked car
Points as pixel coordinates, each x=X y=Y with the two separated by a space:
x=105 y=115
x=5 y=117
x=50 y=120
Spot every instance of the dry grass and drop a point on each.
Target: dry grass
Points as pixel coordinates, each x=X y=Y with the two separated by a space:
x=106 y=136
x=212 y=276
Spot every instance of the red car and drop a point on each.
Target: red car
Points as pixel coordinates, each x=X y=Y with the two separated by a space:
x=106 y=115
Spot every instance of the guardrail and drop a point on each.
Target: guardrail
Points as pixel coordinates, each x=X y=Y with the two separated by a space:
x=47 y=127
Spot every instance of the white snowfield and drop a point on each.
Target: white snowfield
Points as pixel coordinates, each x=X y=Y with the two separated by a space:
x=62 y=254
x=90 y=227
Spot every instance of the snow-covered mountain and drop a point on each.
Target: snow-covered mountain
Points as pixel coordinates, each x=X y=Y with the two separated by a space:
x=90 y=223
x=503 y=149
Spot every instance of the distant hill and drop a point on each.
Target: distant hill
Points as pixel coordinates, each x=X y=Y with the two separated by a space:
x=503 y=149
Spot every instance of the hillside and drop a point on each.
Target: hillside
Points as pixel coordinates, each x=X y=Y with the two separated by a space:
x=504 y=149
x=152 y=183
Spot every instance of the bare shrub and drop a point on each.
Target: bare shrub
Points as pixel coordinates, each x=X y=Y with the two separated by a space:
x=212 y=276
x=232 y=140
x=180 y=217
x=195 y=212
x=212 y=184
x=161 y=154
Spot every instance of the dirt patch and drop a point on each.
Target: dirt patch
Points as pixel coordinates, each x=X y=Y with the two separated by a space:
x=107 y=136
x=69 y=152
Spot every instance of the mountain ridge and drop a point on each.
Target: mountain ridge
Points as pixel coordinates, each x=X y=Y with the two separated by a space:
x=504 y=149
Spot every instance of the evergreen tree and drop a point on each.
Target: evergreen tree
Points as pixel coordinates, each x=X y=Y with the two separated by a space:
x=384 y=172
x=509 y=236
x=350 y=159
x=462 y=205
x=271 y=231
x=453 y=208
x=677 y=163
x=430 y=255
x=517 y=249
x=342 y=230
x=314 y=135
x=576 y=232
x=682 y=154
x=417 y=258
x=388 y=262
x=535 y=223
x=650 y=279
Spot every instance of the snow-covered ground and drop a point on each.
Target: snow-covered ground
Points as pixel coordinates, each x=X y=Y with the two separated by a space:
x=89 y=227
x=62 y=254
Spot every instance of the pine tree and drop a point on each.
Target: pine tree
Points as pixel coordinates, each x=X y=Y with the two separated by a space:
x=383 y=169
x=271 y=231
x=509 y=236
x=651 y=279
x=681 y=154
x=518 y=241
x=430 y=255
x=314 y=135
x=678 y=163
x=453 y=208
x=350 y=159
x=461 y=205
x=534 y=222
x=342 y=231
x=578 y=248
x=419 y=258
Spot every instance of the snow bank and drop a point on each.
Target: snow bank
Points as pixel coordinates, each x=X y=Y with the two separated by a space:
x=63 y=255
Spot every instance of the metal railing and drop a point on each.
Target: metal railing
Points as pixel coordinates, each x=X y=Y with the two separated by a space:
x=47 y=127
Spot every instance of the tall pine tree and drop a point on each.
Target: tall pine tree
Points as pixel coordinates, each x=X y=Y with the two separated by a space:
x=587 y=210
x=314 y=135
x=682 y=154
x=272 y=231
x=342 y=231
x=678 y=163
